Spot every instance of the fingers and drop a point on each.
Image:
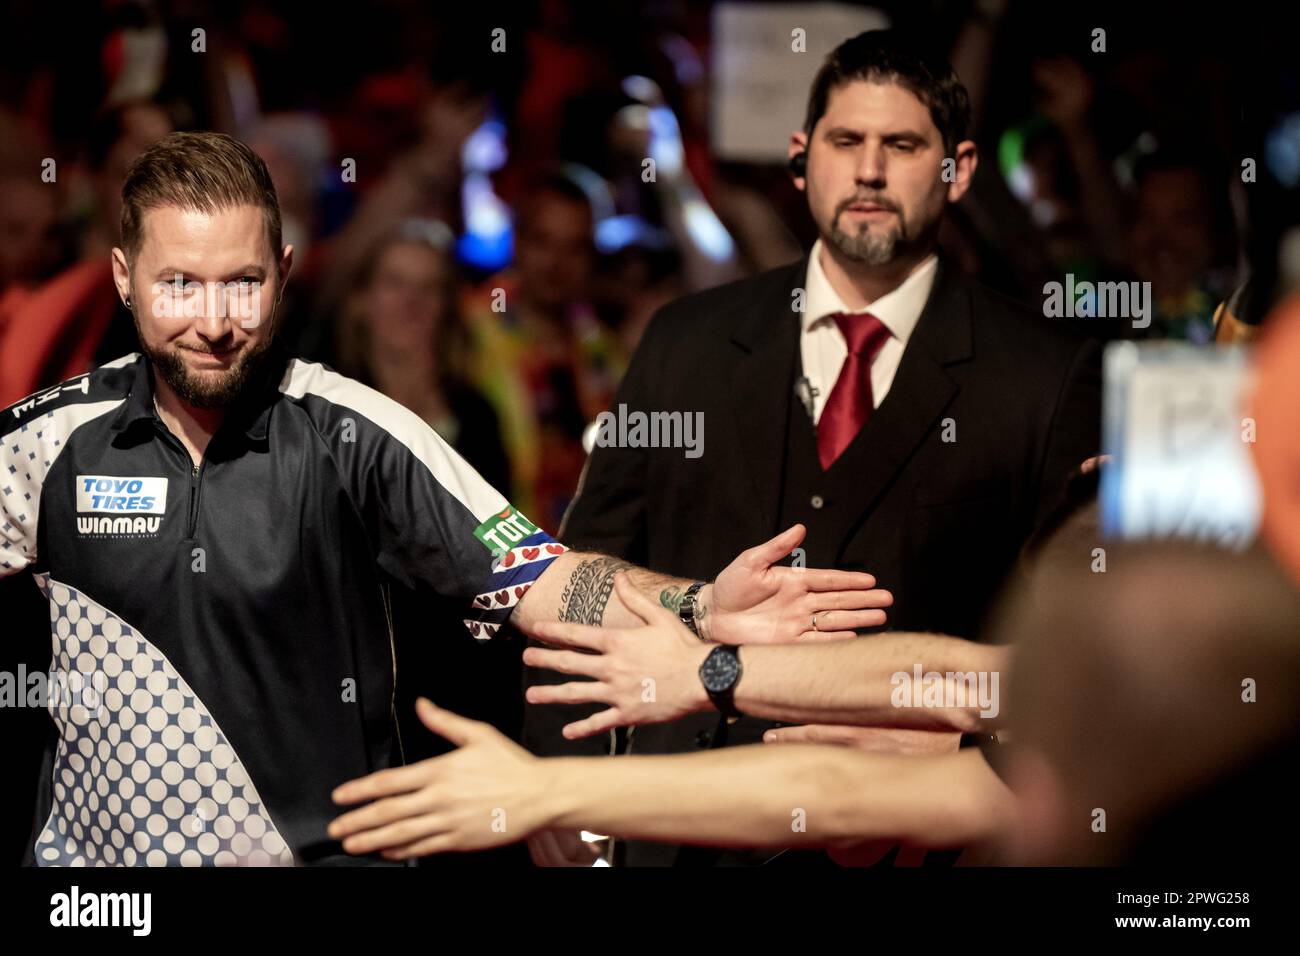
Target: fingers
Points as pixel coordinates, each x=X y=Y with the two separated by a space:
x=574 y=692
x=439 y=843
x=769 y=552
x=600 y=723
x=385 y=783
x=379 y=813
x=394 y=834
x=826 y=579
x=848 y=620
x=459 y=730
x=849 y=600
x=838 y=625
x=579 y=636
x=811 y=734
x=566 y=662
x=856 y=619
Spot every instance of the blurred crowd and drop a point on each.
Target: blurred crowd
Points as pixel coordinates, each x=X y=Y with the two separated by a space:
x=475 y=234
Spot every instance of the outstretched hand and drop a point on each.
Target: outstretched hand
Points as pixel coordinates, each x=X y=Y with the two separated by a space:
x=486 y=793
x=754 y=601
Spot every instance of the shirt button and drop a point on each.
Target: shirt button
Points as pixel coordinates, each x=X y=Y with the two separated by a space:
x=816 y=501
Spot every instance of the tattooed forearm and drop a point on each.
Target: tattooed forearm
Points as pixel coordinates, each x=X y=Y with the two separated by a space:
x=588 y=589
x=578 y=588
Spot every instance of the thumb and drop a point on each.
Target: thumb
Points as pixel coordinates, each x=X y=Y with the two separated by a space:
x=769 y=552
x=459 y=730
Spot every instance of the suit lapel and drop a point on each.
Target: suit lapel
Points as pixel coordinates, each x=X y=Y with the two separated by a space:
x=922 y=388
x=767 y=336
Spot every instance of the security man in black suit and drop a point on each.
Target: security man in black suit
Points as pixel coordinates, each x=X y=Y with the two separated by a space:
x=918 y=424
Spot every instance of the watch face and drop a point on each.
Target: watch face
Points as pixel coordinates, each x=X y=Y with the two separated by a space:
x=720 y=670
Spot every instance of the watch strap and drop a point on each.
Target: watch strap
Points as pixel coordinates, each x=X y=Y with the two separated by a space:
x=686 y=610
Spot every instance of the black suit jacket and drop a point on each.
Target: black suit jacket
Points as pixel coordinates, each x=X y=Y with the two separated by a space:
x=939 y=523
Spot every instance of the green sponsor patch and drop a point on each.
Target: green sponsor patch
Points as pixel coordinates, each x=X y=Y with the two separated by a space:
x=502 y=532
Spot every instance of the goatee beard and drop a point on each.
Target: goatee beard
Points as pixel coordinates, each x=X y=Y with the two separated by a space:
x=206 y=391
x=866 y=248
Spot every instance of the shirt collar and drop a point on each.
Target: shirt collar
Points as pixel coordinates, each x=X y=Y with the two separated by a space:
x=898 y=310
x=249 y=414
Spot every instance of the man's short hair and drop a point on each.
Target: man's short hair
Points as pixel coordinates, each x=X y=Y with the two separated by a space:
x=883 y=56
x=200 y=171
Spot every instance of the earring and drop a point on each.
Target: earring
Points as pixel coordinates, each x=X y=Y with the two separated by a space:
x=128 y=302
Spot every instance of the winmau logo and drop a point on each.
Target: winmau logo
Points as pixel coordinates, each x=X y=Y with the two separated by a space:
x=118 y=526
x=120 y=506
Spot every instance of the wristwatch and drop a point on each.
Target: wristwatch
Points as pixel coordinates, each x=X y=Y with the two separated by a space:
x=686 y=610
x=719 y=674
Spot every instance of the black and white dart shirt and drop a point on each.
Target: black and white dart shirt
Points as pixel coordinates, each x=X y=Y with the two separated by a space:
x=221 y=650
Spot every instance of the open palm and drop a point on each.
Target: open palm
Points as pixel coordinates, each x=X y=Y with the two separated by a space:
x=754 y=601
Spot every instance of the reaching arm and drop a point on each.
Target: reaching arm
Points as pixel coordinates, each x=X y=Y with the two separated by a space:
x=922 y=681
x=491 y=792
x=802 y=795
x=859 y=682
x=434 y=521
x=752 y=601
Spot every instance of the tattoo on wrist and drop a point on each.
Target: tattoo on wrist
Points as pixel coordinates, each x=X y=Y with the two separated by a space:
x=587 y=592
x=671 y=598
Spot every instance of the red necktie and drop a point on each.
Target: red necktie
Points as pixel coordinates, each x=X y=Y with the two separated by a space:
x=850 y=402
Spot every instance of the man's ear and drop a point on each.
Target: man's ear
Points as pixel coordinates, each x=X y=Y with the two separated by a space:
x=967 y=159
x=121 y=275
x=286 y=264
x=798 y=146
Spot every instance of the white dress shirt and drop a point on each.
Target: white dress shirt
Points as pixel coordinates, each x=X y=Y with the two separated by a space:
x=822 y=343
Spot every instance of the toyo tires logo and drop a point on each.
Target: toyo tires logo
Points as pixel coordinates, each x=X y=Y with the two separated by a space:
x=120 y=506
